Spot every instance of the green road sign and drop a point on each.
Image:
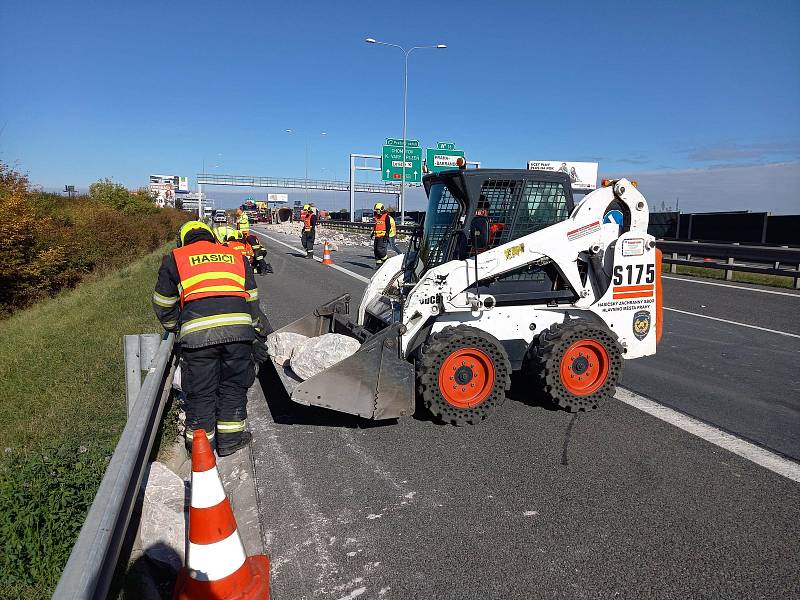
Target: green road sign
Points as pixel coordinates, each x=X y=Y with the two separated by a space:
x=443 y=157
x=394 y=142
x=392 y=162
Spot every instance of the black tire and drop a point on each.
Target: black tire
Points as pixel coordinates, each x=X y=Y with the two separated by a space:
x=549 y=354
x=448 y=347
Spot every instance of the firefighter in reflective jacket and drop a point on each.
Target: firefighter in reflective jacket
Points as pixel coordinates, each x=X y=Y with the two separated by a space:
x=384 y=224
x=259 y=260
x=235 y=243
x=309 y=231
x=243 y=223
x=206 y=294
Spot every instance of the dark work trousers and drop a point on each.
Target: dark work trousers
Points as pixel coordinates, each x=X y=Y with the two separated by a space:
x=216 y=380
x=380 y=250
x=307 y=238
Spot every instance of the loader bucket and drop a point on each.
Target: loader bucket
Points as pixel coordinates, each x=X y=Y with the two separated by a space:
x=373 y=383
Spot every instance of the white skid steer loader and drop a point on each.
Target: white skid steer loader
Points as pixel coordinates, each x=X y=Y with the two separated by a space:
x=506 y=274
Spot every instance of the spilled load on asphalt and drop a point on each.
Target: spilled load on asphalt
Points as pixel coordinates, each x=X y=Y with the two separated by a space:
x=506 y=274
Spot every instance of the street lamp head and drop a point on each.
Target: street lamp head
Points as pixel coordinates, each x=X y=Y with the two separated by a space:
x=441 y=46
x=371 y=41
x=288 y=131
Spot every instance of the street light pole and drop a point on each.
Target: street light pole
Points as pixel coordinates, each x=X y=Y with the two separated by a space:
x=405 y=112
x=308 y=149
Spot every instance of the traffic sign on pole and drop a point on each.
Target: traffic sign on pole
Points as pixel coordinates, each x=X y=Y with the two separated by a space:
x=392 y=161
x=395 y=142
x=443 y=157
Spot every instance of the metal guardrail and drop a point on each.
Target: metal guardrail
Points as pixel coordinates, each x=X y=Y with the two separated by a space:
x=766 y=260
x=94 y=557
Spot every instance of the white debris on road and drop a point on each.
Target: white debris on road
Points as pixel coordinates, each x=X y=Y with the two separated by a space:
x=343 y=239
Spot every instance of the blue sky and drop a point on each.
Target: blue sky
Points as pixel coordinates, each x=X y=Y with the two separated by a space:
x=676 y=94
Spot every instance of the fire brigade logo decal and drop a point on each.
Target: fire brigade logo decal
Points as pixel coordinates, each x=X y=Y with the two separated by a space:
x=641 y=324
x=514 y=251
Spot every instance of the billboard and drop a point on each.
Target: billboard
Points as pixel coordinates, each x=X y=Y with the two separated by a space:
x=582 y=174
x=278 y=198
x=166 y=186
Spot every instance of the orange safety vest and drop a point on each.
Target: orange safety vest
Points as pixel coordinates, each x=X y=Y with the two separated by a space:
x=247 y=249
x=238 y=245
x=380 y=225
x=207 y=269
x=307 y=221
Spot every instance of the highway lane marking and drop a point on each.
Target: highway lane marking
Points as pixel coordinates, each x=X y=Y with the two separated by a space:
x=756 y=454
x=736 y=287
x=686 y=312
x=316 y=258
x=760 y=456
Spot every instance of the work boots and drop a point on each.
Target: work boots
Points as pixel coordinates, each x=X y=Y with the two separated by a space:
x=232 y=446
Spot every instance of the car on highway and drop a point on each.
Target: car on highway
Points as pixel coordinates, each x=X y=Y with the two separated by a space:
x=220 y=216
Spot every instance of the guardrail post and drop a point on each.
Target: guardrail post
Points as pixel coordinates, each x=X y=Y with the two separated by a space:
x=133 y=370
x=673 y=268
x=797 y=279
x=729 y=272
x=148 y=347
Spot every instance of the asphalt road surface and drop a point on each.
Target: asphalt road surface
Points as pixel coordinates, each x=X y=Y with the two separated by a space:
x=537 y=503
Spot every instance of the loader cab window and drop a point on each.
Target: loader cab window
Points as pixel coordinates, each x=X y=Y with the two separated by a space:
x=543 y=204
x=441 y=221
x=517 y=208
x=498 y=200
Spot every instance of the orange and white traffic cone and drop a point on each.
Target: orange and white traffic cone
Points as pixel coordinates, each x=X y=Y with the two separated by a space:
x=216 y=565
x=326 y=254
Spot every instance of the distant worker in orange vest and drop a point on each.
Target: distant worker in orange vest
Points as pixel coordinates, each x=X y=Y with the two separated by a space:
x=384 y=225
x=206 y=294
x=309 y=231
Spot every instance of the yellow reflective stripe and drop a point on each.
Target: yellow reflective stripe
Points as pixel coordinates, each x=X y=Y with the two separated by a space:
x=230 y=426
x=187 y=283
x=190 y=434
x=169 y=324
x=253 y=294
x=214 y=288
x=165 y=301
x=216 y=321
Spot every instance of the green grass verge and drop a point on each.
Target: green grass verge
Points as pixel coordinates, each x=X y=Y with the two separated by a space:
x=62 y=406
x=757 y=278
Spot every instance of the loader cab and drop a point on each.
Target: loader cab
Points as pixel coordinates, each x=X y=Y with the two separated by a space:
x=515 y=202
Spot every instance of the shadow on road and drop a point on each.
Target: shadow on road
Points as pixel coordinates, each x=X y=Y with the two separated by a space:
x=286 y=412
x=521 y=392
x=359 y=264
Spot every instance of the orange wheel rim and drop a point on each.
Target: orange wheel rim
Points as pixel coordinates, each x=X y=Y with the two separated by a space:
x=584 y=367
x=466 y=377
